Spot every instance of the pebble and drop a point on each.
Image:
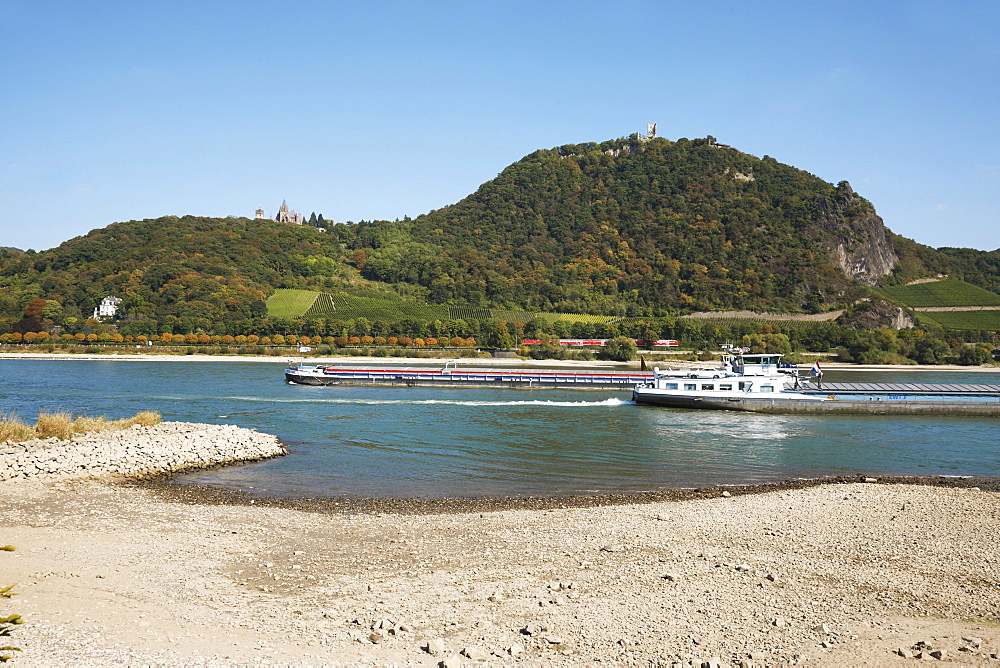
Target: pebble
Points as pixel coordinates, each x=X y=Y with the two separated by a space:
x=474 y=653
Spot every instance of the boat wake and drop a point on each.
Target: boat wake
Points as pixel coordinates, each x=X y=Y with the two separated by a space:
x=437 y=402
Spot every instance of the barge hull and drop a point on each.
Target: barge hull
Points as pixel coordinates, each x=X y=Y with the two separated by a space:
x=828 y=406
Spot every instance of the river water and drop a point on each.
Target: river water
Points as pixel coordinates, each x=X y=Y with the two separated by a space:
x=444 y=442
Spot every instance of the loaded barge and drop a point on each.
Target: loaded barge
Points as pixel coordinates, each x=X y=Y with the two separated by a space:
x=449 y=376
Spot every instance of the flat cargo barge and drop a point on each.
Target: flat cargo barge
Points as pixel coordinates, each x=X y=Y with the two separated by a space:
x=834 y=404
x=452 y=377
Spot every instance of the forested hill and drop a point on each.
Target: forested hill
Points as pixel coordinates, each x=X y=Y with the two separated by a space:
x=630 y=226
x=625 y=227
x=184 y=273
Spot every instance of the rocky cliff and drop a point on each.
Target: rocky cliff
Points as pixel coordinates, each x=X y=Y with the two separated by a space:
x=861 y=244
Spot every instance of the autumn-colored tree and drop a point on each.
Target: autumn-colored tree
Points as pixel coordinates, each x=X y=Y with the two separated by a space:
x=80 y=336
x=141 y=339
x=228 y=339
x=241 y=340
x=379 y=340
x=354 y=340
x=252 y=339
x=457 y=341
x=166 y=337
x=204 y=338
x=91 y=338
x=360 y=259
x=340 y=341
x=190 y=338
x=367 y=340
x=29 y=337
x=278 y=340
x=117 y=338
x=265 y=340
x=32 y=320
x=430 y=341
x=405 y=341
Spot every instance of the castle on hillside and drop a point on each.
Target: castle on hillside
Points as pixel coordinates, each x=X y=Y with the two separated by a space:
x=286 y=216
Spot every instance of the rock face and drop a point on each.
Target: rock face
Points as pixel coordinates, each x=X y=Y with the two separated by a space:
x=861 y=244
x=874 y=313
x=169 y=446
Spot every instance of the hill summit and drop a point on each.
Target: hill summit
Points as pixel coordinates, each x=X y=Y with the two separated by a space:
x=635 y=226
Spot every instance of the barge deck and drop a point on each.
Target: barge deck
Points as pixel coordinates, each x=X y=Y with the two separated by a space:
x=452 y=377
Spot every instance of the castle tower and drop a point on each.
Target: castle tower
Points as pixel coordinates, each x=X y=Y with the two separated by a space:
x=258 y=214
x=650 y=130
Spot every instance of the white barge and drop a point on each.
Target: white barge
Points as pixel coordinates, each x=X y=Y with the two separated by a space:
x=759 y=383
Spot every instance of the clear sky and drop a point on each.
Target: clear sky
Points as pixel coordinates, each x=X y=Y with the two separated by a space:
x=113 y=111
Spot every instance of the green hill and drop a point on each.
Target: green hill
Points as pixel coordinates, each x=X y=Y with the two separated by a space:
x=630 y=227
x=176 y=273
x=597 y=233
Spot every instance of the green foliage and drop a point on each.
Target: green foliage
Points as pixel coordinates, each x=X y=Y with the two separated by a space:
x=620 y=349
x=947 y=292
x=630 y=229
x=175 y=274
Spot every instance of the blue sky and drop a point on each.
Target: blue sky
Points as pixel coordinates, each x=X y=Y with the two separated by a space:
x=115 y=111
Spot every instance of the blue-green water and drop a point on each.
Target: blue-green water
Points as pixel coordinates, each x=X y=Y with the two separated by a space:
x=436 y=442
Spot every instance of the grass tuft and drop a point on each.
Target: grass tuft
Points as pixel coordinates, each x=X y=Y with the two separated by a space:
x=59 y=425
x=65 y=426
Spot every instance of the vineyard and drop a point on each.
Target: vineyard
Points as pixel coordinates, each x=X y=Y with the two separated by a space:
x=949 y=292
x=985 y=320
x=728 y=321
x=342 y=306
x=285 y=303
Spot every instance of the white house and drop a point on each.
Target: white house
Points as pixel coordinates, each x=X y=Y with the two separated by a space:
x=107 y=308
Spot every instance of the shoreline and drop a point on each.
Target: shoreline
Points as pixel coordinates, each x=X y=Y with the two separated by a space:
x=832 y=574
x=119 y=569
x=161 y=486
x=466 y=361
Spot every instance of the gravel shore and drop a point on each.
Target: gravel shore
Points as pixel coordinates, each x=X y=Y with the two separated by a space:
x=840 y=573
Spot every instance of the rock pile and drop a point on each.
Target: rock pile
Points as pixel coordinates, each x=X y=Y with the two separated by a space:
x=166 y=447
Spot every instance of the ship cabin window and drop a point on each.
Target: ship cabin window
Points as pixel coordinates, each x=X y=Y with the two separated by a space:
x=690 y=387
x=726 y=387
x=670 y=386
x=767 y=388
x=743 y=387
x=710 y=386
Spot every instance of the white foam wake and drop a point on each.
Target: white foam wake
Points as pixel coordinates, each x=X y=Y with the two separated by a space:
x=435 y=402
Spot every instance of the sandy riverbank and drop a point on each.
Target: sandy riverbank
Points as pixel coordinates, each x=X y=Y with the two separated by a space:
x=840 y=574
x=466 y=361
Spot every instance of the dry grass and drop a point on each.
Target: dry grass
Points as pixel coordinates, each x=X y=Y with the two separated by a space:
x=64 y=426
x=12 y=429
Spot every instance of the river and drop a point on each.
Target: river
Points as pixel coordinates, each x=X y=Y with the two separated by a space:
x=441 y=442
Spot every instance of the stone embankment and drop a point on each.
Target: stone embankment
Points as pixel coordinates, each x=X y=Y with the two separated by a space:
x=163 y=448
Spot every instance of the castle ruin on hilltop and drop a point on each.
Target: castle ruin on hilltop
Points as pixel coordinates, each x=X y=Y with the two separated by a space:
x=285 y=215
